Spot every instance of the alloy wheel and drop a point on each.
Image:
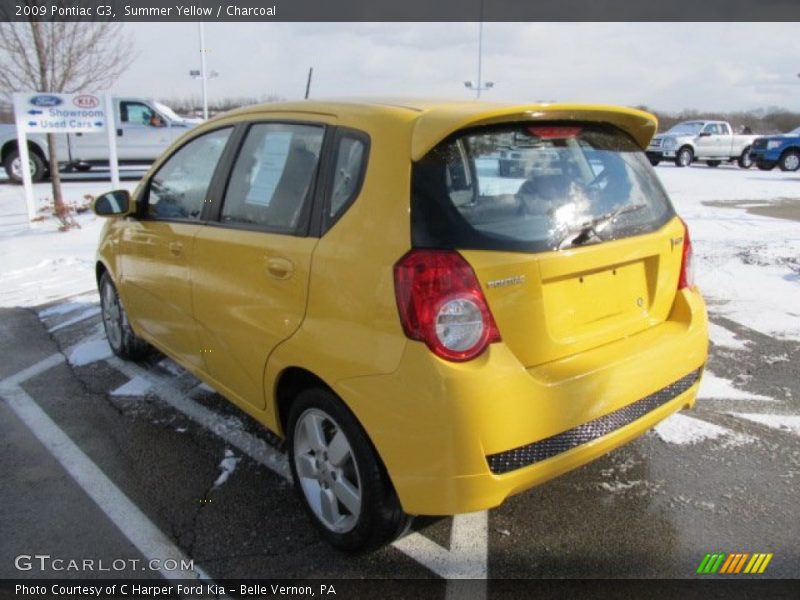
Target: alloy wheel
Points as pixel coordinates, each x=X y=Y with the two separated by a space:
x=112 y=316
x=327 y=470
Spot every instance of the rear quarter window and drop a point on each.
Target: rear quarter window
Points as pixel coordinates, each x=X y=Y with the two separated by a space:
x=534 y=187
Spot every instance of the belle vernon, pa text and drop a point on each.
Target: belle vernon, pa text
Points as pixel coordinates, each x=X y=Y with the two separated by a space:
x=170 y=590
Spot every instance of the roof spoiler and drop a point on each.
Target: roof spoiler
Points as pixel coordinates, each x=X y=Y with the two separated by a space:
x=434 y=125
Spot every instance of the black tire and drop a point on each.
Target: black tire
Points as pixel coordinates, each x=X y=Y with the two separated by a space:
x=379 y=519
x=713 y=163
x=684 y=157
x=744 y=161
x=789 y=160
x=15 y=174
x=123 y=341
x=765 y=166
x=654 y=161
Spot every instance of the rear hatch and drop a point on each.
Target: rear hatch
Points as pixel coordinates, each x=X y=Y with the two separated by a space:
x=579 y=248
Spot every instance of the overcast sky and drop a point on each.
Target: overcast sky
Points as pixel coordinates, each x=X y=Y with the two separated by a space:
x=666 y=66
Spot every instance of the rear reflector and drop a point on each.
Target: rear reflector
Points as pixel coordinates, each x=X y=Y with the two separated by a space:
x=687 y=261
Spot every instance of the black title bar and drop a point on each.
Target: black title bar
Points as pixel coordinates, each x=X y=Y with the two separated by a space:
x=700 y=588
x=401 y=10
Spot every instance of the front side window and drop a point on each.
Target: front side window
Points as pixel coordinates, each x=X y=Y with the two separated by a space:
x=136 y=113
x=572 y=184
x=178 y=189
x=270 y=185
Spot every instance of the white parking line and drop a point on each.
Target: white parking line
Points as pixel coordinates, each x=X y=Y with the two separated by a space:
x=128 y=518
x=86 y=314
x=468 y=554
x=467 y=557
x=163 y=387
x=37 y=369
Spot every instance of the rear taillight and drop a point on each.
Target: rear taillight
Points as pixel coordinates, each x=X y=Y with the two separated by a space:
x=441 y=304
x=687 y=264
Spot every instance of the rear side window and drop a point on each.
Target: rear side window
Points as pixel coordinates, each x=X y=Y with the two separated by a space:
x=534 y=187
x=178 y=190
x=350 y=158
x=271 y=183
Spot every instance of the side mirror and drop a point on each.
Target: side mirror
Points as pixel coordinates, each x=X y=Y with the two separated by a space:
x=704 y=134
x=112 y=204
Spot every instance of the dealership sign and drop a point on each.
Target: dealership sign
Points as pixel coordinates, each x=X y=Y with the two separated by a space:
x=59 y=113
x=44 y=112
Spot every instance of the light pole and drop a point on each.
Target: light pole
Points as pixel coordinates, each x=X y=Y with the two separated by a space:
x=203 y=74
x=478 y=88
x=488 y=85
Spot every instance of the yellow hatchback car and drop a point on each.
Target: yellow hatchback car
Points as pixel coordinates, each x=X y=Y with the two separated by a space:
x=428 y=332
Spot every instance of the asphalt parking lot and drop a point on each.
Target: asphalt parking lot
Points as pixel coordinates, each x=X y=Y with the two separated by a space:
x=213 y=483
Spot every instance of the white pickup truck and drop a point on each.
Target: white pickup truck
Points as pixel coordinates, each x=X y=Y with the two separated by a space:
x=709 y=141
x=144 y=129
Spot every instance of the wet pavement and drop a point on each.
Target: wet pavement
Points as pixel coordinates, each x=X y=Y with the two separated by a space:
x=780 y=208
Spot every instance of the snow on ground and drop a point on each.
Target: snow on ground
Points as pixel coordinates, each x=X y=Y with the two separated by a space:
x=789 y=423
x=71 y=305
x=683 y=430
x=138 y=386
x=38 y=263
x=227 y=467
x=89 y=352
x=712 y=386
x=724 y=338
x=747 y=266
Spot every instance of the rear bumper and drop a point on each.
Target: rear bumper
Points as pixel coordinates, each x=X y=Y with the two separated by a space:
x=661 y=154
x=463 y=437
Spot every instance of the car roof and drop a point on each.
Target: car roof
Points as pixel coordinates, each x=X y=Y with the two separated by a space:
x=433 y=120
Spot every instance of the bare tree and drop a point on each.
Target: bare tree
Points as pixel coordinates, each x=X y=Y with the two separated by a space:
x=60 y=57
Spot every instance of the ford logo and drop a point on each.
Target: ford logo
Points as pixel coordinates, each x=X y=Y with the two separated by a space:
x=45 y=100
x=86 y=101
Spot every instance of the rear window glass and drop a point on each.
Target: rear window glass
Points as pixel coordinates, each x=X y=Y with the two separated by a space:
x=535 y=187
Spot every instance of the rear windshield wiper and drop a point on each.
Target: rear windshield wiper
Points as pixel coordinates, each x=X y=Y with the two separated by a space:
x=580 y=234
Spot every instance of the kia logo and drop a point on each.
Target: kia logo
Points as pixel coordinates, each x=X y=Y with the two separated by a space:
x=45 y=101
x=86 y=101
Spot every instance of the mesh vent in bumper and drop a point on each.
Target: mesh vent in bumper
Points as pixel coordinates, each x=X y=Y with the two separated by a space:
x=523 y=456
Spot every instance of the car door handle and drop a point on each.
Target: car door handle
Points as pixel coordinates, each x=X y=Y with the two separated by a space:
x=175 y=248
x=280 y=268
x=119 y=132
